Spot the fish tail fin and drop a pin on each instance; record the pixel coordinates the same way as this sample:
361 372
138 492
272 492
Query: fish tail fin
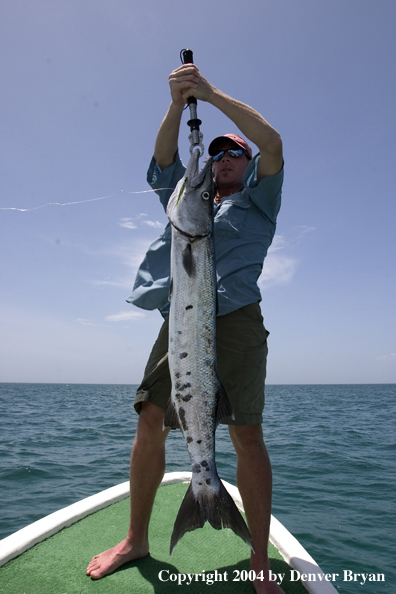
218 509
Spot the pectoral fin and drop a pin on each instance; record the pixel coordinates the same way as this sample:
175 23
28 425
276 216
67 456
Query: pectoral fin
187 259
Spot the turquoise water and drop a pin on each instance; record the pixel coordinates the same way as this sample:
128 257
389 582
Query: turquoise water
332 449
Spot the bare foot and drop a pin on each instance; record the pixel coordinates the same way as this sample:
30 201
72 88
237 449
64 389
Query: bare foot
110 560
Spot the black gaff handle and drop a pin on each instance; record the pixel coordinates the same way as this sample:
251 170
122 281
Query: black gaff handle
188 59
187 56
194 122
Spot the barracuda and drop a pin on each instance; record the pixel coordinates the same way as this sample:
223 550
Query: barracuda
198 401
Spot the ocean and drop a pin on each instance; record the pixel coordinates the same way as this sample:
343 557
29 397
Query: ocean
332 449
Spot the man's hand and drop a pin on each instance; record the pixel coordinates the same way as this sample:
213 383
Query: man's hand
187 81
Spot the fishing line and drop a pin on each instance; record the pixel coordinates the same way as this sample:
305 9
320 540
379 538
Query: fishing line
80 201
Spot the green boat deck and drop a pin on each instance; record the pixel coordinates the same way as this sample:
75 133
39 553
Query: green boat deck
57 565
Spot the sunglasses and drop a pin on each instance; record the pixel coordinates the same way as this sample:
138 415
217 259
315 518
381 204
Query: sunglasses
235 153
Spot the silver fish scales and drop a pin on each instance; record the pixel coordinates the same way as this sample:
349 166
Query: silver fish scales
198 401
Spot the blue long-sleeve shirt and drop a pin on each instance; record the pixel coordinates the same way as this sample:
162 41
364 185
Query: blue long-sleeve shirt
244 226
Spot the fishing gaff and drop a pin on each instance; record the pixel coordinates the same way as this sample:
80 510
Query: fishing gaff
196 136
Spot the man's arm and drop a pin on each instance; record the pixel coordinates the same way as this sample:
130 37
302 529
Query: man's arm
248 120
256 129
166 143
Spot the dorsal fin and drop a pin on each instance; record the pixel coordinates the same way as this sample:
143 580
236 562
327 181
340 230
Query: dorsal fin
171 418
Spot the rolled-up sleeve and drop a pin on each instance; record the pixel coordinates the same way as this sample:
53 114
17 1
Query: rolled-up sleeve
151 287
266 194
165 181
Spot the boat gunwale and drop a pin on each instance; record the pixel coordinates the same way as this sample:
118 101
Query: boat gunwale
288 546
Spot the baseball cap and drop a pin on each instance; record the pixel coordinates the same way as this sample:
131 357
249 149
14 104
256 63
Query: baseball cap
235 138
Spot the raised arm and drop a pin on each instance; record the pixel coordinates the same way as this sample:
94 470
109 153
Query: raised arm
256 129
166 143
190 82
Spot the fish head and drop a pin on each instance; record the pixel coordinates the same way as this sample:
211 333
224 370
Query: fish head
190 208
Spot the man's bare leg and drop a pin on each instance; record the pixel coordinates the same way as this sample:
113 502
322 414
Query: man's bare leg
254 480
147 471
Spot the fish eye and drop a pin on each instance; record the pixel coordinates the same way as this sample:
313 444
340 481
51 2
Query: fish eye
205 195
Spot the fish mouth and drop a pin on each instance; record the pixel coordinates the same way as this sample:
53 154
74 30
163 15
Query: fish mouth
192 170
200 178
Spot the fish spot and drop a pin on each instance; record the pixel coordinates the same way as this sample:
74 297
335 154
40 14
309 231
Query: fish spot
196 468
186 397
181 387
189 307
199 440
183 355
204 463
182 417
179 332
188 373
208 481
177 374
189 439
178 397
200 484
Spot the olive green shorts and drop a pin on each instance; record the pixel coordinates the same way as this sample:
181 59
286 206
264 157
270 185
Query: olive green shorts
241 358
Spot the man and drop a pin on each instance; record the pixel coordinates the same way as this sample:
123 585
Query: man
248 201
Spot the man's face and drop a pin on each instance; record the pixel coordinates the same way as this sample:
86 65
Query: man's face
228 172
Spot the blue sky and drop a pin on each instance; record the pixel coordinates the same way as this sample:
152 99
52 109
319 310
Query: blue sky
84 89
